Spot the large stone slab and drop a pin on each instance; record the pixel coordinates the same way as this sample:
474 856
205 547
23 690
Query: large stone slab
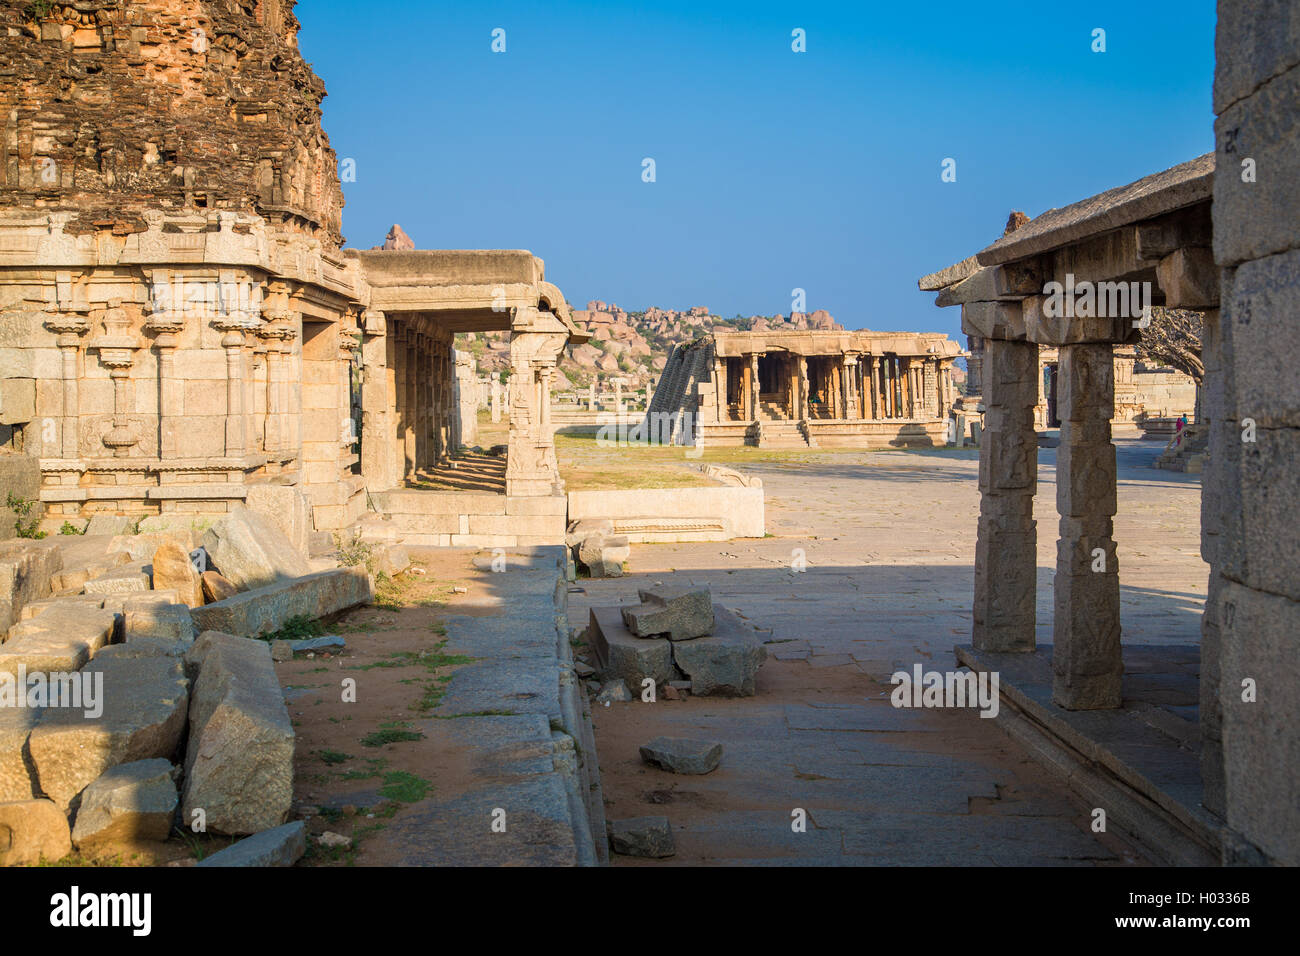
725 664
16 724
279 846
32 831
127 579
144 708
172 568
167 622
676 612
251 551
264 610
62 638
620 654
26 571
127 803
239 762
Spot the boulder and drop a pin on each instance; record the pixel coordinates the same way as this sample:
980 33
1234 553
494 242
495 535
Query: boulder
217 587
642 836
251 551
61 639
239 762
613 692
724 664
127 803
32 831
279 846
676 612
172 568
619 655
27 571
264 610
682 754
144 708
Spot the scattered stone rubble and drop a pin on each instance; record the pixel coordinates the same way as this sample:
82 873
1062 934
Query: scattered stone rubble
188 716
642 836
671 637
597 548
682 755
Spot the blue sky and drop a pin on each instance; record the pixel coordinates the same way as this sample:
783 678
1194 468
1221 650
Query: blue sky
775 170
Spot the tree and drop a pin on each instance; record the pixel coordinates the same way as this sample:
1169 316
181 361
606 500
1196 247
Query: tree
1173 339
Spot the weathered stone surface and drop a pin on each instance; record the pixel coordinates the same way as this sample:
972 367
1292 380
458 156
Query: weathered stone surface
143 547
579 531
16 725
251 551
239 762
264 610
279 846
603 555
36 608
287 508
26 571
642 836
170 622
32 831
682 754
621 655
172 568
144 707
678 613
217 587
326 642
391 559
60 639
106 524
122 580
613 692
129 802
281 651
725 664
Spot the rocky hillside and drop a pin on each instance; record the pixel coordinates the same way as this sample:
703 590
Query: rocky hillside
634 345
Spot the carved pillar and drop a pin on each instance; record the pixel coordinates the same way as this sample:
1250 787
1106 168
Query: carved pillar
537 339
165 326
117 353
754 388
1006 552
1086 660
70 328
849 373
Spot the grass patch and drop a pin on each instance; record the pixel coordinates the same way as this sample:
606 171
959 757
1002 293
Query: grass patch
333 756
404 787
391 733
297 628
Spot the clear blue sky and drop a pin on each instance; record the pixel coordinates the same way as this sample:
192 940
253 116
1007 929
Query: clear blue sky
774 169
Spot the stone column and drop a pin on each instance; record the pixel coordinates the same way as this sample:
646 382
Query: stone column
1086 660
801 388
754 388
117 353
165 326
377 431
496 399
1006 552
70 327
849 372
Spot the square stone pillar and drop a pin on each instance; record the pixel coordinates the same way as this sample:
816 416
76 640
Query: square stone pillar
1086 659
1006 552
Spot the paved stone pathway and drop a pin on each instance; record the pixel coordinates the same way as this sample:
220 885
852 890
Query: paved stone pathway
889 540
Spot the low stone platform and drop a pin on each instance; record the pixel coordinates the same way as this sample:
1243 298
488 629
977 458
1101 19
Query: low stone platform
1140 763
518 714
454 519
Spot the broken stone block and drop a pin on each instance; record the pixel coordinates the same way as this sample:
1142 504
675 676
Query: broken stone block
726 663
89 601
251 551
106 524
281 651
326 642
578 531
60 639
287 508
391 560
264 610
80 564
216 587
279 846
642 836
16 725
143 647
603 555
27 570
144 706
682 754
125 579
32 831
172 568
239 762
677 613
613 692
169 622
143 547
621 655
127 803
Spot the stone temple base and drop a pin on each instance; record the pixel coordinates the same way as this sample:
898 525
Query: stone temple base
448 519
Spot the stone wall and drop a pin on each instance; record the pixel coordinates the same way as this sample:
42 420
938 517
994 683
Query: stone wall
1252 398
